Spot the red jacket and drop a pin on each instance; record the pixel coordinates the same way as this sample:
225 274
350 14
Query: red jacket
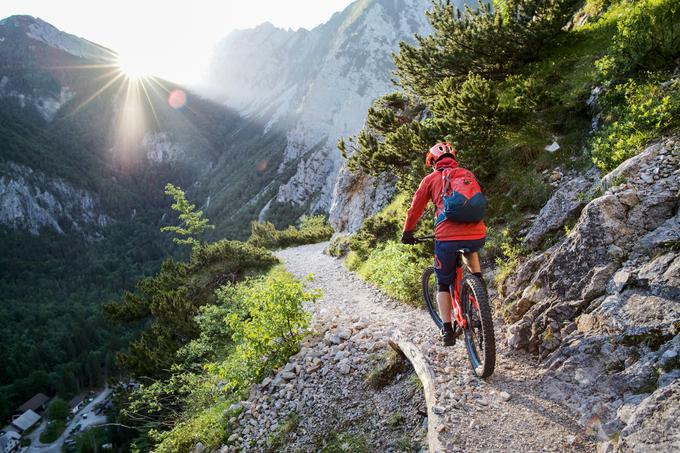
430 189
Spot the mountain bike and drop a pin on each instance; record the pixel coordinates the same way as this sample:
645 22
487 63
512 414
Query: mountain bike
471 313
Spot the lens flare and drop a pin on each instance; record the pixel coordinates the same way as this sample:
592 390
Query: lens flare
262 165
177 99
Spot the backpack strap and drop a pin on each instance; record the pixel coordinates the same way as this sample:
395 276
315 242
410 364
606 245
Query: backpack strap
446 179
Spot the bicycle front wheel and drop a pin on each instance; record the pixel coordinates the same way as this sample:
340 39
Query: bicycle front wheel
480 340
430 295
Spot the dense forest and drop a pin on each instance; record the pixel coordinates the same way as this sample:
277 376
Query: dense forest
54 283
55 339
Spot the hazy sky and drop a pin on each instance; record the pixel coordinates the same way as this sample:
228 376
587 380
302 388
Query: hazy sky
172 39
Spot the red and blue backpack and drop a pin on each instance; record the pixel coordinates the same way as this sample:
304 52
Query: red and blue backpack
463 200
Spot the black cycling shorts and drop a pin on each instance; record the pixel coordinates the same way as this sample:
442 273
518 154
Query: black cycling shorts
445 253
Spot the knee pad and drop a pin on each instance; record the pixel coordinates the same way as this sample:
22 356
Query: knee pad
443 288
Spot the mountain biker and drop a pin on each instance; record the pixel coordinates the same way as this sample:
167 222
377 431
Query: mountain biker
450 236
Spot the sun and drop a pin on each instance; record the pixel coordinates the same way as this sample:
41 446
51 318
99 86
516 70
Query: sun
134 67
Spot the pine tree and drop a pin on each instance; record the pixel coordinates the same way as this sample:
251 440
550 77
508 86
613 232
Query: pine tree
469 114
490 42
192 224
168 302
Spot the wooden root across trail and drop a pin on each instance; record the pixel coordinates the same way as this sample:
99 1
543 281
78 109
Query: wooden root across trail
426 375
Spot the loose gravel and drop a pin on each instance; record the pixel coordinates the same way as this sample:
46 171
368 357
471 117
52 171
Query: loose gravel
324 384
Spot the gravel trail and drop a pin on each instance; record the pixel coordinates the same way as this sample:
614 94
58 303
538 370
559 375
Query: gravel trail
510 411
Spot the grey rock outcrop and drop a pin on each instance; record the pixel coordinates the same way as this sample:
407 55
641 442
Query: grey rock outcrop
567 201
653 424
31 200
602 306
357 196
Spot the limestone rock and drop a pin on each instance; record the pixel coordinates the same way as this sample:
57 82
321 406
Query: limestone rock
654 423
317 86
562 206
31 200
600 307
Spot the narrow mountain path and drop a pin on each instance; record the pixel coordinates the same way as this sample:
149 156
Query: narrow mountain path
508 412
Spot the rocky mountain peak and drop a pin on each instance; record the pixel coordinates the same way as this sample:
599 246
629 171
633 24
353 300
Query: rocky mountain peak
23 21
37 29
317 85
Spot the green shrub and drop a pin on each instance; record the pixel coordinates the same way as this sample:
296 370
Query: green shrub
379 228
268 321
517 191
57 410
57 414
312 229
256 325
344 442
397 270
208 427
192 222
511 252
595 7
277 440
395 420
91 440
168 302
53 431
353 261
470 112
647 37
636 113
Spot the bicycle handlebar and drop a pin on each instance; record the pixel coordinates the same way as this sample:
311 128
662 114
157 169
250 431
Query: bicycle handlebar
424 238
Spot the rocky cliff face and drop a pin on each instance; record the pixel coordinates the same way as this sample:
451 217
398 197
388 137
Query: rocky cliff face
602 306
31 200
319 84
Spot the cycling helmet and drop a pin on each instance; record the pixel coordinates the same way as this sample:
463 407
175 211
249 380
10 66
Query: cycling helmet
438 151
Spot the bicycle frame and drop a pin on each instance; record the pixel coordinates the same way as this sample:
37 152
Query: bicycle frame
454 289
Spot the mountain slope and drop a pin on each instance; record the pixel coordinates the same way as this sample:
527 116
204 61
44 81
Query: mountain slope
70 114
316 86
84 155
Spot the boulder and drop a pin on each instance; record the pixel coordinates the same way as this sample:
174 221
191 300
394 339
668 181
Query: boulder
654 424
562 206
602 253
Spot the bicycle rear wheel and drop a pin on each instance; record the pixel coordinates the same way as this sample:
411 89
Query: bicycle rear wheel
480 340
430 295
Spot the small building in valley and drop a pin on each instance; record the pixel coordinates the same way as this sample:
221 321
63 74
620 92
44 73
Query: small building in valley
37 404
26 421
77 402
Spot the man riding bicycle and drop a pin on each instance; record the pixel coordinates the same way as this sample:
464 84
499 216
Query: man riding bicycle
450 236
